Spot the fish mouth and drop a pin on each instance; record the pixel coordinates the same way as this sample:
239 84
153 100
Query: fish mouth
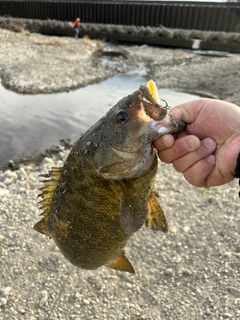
125 154
161 120
134 157
168 124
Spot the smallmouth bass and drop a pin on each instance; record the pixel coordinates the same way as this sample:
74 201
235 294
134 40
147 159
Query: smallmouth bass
104 192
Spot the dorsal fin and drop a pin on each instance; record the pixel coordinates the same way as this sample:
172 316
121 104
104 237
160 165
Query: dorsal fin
47 192
121 263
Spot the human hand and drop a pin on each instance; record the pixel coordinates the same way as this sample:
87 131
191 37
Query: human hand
207 149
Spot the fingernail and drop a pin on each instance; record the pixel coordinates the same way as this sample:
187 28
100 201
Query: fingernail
190 144
176 113
211 159
209 143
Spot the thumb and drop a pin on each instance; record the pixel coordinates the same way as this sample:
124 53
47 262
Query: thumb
189 111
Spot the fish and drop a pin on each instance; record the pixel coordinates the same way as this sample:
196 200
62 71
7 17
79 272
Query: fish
104 193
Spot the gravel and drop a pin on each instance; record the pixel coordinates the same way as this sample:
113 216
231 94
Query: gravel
33 63
192 272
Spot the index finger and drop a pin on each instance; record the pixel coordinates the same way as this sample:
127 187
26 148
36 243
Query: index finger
164 142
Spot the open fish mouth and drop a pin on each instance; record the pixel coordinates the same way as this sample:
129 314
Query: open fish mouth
169 124
161 120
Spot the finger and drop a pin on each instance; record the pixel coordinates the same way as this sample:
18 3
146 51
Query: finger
180 148
207 146
198 174
164 142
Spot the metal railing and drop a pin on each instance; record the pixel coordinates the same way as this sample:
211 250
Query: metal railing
181 15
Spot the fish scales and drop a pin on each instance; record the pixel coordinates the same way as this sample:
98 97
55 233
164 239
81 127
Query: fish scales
105 192
92 218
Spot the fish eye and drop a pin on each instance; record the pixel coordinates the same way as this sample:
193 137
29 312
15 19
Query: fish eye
121 116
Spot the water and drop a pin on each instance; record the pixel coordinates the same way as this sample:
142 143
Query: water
31 123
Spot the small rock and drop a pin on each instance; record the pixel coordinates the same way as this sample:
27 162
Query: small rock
1 184
47 160
227 254
16 271
77 295
173 229
23 174
7 181
207 312
4 192
234 292
43 298
5 292
3 302
85 301
22 311
227 315
169 272
12 165
186 229
10 174
186 272
61 155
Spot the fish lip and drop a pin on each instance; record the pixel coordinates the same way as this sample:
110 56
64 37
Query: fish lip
159 113
124 154
145 95
169 124
179 124
152 107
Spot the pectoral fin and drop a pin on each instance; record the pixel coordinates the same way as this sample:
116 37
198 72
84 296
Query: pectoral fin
133 211
121 263
156 219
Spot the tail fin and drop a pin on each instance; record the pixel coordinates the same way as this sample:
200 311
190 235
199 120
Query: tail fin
47 196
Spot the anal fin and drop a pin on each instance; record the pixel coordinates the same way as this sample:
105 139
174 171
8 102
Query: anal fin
121 263
156 219
42 227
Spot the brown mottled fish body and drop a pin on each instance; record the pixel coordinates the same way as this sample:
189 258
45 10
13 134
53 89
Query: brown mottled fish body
85 211
105 190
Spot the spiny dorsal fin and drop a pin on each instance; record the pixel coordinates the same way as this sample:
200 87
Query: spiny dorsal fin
121 263
47 192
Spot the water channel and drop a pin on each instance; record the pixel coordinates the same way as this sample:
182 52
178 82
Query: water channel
31 123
